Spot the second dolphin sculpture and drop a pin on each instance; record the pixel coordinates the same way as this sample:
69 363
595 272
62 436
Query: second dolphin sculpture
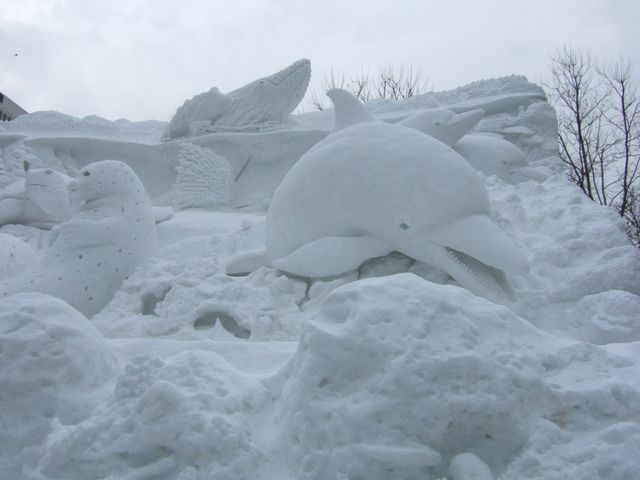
489 154
266 101
370 188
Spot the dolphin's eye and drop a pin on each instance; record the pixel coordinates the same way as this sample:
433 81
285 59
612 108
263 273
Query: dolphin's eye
86 174
48 172
404 226
437 124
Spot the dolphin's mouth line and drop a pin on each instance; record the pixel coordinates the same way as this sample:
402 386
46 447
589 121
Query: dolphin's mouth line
469 116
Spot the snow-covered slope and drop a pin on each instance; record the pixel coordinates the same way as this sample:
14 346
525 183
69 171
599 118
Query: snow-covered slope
275 378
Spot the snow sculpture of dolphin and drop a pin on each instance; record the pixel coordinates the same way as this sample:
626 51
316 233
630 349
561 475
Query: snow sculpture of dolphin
370 188
264 102
489 154
443 124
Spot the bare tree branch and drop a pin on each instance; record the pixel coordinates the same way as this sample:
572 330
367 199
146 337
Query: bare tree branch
599 130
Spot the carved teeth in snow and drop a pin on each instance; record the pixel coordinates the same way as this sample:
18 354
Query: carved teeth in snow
472 272
483 277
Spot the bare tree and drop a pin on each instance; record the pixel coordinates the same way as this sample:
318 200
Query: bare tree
599 130
624 119
390 83
580 100
632 216
397 84
360 86
330 81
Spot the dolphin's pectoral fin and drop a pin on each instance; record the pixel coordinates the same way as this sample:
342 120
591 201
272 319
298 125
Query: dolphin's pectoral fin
329 256
530 173
481 279
478 237
248 262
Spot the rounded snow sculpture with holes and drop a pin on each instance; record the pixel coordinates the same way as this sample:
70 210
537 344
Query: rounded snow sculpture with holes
93 252
371 188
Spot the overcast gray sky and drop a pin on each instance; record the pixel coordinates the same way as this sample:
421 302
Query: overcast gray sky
140 59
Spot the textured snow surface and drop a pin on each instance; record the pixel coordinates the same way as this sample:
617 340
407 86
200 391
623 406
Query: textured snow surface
15 255
54 367
390 371
204 179
405 363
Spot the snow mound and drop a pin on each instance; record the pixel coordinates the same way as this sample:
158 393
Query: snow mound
401 364
53 365
172 419
582 264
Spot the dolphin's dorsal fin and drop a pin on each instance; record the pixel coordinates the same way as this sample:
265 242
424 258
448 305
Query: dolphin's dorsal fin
347 109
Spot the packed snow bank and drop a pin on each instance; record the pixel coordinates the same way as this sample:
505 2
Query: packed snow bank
54 368
582 264
401 365
185 294
47 123
180 418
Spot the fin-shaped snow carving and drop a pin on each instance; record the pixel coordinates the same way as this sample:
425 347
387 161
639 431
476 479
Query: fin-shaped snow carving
351 110
372 187
265 102
204 178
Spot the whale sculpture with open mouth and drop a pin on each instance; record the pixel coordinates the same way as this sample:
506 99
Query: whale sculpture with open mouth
267 101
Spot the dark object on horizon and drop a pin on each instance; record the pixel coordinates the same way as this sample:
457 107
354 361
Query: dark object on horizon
15 54
9 110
